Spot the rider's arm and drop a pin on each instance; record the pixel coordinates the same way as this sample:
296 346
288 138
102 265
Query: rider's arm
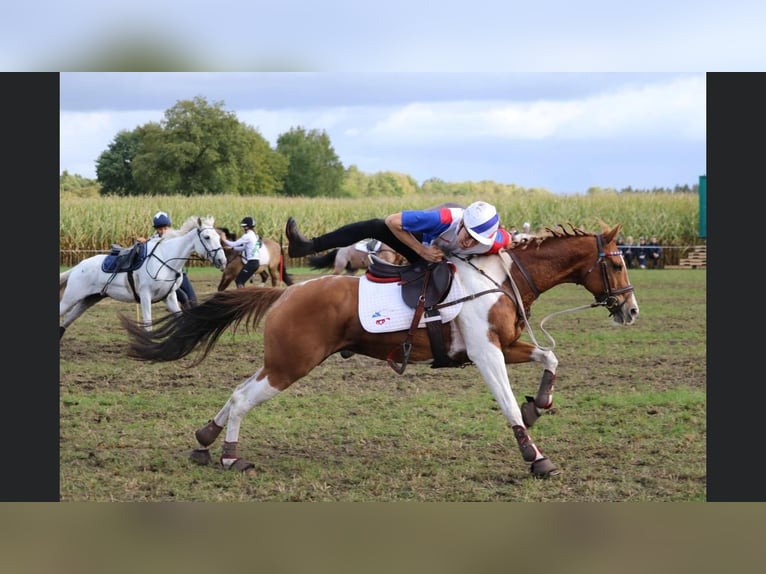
503 240
427 252
237 245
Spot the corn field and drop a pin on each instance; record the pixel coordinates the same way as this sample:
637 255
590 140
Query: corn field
91 225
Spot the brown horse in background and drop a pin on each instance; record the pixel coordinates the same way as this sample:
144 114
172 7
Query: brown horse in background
309 321
275 268
351 259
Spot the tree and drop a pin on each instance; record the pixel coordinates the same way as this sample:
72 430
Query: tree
195 152
261 170
114 166
313 167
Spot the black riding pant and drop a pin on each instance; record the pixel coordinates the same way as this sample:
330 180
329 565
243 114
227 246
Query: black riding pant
186 290
247 272
353 232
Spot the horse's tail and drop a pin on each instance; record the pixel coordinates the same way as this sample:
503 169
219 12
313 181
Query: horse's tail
325 261
175 336
63 278
286 278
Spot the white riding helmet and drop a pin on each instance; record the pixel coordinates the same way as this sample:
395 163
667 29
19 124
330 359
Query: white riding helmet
481 221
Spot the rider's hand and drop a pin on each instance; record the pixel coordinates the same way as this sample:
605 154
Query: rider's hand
432 253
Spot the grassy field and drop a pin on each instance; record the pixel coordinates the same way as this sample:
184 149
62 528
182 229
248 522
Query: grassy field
628 423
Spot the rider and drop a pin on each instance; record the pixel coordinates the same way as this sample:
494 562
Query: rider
418 235
250 246
185 293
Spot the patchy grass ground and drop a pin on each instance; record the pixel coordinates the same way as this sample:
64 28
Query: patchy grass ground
628 424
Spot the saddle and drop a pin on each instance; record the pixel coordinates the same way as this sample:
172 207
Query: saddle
124 260
423 285
121 259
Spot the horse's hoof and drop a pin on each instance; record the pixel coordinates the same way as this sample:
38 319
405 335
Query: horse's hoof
242 465
345 353
529 412
201 456
61 331
543 468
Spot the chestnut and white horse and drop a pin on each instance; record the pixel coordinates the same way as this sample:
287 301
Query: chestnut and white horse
156 279
309 321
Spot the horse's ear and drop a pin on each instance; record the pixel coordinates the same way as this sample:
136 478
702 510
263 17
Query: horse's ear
610 234
199 222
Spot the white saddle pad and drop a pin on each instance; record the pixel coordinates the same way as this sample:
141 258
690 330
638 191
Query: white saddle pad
381 308
263 255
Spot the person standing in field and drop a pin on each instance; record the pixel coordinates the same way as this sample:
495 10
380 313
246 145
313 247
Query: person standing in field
250 246
641 252
654 253
628 250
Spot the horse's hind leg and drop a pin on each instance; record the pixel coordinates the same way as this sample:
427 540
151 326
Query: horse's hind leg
245 397
71 312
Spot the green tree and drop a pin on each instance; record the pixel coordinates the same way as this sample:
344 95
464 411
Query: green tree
195 152
262 170
114 166
313 167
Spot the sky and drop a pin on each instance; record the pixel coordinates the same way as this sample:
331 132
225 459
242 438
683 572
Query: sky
564 132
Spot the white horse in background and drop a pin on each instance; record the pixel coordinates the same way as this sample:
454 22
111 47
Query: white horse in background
155 278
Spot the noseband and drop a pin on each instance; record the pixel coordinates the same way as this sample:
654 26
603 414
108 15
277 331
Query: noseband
608 298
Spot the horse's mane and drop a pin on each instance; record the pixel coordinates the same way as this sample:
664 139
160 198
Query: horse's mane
189 224
566 230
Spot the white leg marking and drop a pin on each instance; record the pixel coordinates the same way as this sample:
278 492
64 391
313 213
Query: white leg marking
249 394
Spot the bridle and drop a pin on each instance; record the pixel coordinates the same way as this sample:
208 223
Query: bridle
210 255
608 298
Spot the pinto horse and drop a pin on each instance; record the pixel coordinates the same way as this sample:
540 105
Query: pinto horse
309 321
154 277
354 257
271 257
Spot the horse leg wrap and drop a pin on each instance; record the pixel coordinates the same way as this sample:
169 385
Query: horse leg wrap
207 434
230 459
528 448
544 398
229 454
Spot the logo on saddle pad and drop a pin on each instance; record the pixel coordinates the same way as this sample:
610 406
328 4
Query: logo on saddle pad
382 308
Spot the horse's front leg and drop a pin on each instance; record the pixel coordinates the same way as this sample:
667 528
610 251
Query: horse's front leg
145 301
521 352
490 361
171 302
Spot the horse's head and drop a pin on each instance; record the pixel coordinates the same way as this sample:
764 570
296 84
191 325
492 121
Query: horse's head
607 279
208 242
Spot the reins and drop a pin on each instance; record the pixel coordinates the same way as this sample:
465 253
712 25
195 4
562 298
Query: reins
607 299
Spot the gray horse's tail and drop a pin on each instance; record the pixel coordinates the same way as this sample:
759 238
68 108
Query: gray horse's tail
63 278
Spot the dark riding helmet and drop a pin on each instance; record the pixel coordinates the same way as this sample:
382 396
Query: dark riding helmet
161 219
248 222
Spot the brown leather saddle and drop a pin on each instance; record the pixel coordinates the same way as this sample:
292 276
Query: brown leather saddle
424 285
